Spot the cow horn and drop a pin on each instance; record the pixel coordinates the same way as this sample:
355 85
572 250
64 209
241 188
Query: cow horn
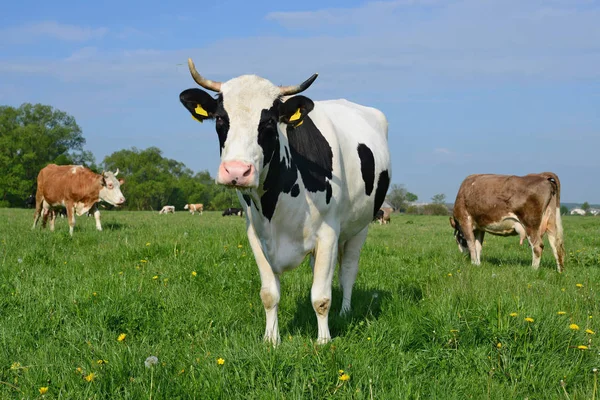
290 90
205 83
117 172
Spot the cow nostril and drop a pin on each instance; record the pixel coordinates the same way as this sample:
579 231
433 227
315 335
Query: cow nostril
248 171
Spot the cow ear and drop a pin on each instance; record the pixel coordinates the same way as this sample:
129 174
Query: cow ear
293 111
121 181
199 103
452 222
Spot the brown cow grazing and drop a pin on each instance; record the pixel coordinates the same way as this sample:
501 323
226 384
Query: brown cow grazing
384 215
506 205
76 188
194 207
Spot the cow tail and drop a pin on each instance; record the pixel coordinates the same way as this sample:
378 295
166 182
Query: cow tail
554 207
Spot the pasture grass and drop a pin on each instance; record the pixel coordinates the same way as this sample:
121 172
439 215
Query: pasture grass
425 323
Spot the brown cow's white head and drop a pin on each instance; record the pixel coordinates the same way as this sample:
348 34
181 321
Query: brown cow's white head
111 188
249 112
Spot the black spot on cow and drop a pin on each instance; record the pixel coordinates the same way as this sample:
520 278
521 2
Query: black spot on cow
295 190
367 167
281 178
383 184
328 193
312 154
247 199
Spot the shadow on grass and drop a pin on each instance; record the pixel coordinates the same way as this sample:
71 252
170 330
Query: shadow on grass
113 226
366 305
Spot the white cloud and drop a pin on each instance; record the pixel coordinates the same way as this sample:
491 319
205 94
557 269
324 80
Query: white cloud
52 30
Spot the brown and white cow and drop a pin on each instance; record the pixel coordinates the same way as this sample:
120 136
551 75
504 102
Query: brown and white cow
506 205
76 188
384 215
167 210
194 207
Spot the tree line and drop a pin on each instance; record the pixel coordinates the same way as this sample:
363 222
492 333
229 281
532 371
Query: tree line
35 135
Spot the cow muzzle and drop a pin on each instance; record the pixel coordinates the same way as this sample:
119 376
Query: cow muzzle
236 173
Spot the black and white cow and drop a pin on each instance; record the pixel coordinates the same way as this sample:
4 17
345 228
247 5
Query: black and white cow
233 211
310 176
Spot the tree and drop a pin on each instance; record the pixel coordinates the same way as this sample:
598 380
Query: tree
410 197
397 197
439 198
31 137
564 210
586 207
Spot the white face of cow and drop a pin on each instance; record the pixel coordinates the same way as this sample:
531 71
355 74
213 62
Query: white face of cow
111 189
249 113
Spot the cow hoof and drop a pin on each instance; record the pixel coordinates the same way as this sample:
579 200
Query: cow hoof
323 340
273 340
345 311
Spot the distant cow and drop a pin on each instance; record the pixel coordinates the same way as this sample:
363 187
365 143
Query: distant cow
30 201
233 211
528 206
167 209
194 207
77 189
383 215
310 177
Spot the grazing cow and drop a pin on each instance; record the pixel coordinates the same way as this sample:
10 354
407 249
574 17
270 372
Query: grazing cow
30 201
310 177
233 211
76 188
167 209
528 206
384 215
194 207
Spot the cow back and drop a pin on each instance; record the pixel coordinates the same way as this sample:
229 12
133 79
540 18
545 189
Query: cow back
57 183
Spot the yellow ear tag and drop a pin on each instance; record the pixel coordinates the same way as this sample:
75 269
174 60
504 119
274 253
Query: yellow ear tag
200 111
296 116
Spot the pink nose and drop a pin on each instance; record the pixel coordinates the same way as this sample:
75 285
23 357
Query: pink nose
236 173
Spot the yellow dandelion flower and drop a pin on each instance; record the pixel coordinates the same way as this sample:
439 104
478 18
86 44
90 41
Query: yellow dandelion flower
591 332
79 370
579 285
561 313
499 345
220 361
148 244
341 371
574 327
453 330
94 294
368 338
143 261
102 362
194 273
155 277
182 371
450 274
513 314
344 377
562 289
590 317
90 377
15 366
43 390
240 246
582 347
529 319
121 337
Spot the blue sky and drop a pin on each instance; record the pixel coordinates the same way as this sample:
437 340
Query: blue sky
471 86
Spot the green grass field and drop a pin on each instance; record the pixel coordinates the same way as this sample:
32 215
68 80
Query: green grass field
425 322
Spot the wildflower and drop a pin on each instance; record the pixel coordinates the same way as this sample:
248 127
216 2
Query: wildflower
220 361
562 289
90 377
143 261
341 371
579 285
344 377
574 327
79 370
194 273
369 338
155 277
148 244
561 313
43 390
182 371
102 362
590 317
20 260
591 332
499 345
582 347
453 330
529 319
121 337
513 314
150 361
94 294
450 274
14 366
240 246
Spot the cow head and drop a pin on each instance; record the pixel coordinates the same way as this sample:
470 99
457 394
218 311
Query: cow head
459 236
111 188
249 113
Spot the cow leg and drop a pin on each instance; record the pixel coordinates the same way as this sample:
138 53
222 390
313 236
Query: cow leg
97 218
46 212
537 245
52 220
350 253
325 259
470 238
478 244
555 237
71 217
269 291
